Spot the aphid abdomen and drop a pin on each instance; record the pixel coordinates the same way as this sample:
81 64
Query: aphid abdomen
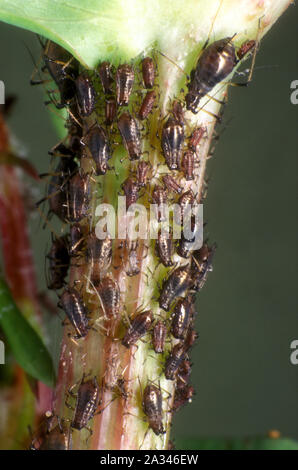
174 286
85 95
88 398
130 134
74 307
138 328
172 143
152 407
99 148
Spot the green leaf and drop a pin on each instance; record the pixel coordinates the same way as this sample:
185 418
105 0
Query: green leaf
96 30
27 347
257 443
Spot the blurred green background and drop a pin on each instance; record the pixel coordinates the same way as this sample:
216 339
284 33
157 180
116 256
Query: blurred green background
247 318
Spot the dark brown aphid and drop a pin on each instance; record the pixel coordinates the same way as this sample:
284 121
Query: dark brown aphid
177 111
88 398
138 328
99 256
147 105
186 201
148 72
110 110
85 95
130 134
54 438
181 318
175 358
188 164
76 239
171 184
183 373
124 82
175 285
109 293
216 62
98 144
201 265
79 197
131 191
152 407
182 396
58 188
165 247
58 262
245 48
142 173
72 304
63 68
159 333
196 138
159 197
172 140
190 338
133 267
104 71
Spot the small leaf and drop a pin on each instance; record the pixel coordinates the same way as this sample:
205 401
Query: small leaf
27 347
257 443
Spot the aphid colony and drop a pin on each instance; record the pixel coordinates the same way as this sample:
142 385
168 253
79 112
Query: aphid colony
107 107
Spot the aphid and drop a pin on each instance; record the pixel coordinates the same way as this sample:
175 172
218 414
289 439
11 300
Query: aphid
190 339
54 438
159 333
76 239
98 145
159 197
59 187
99 256
72 304
138 328
109 293
188 163
175 358
104 71
88 398
148 72
110 110
177 111
171 184
175 285
152 407
165 248
181 318
245 48
196 138
182 396
201 265
124 83
130 134
183 373
142 173
147 105
131 191
216 62
58 262
79 197
85 95
172 140
63 68
186 201
133 260
186 245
